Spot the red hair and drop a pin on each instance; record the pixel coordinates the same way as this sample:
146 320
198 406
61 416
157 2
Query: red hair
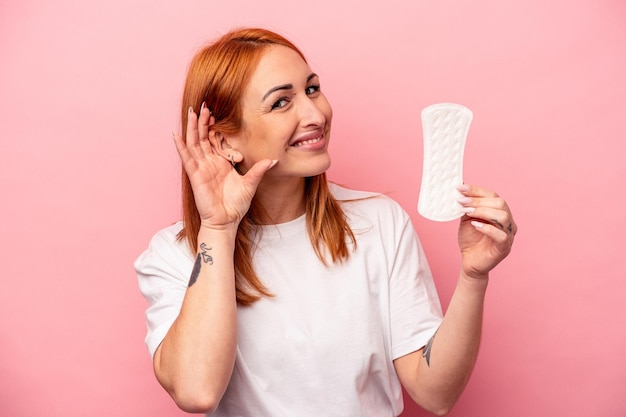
218 76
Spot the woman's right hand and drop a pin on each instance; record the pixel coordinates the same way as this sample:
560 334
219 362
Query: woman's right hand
222 195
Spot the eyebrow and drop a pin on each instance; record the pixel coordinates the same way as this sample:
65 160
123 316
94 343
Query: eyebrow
286 86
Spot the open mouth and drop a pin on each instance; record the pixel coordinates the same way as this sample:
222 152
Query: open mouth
311 139
307 142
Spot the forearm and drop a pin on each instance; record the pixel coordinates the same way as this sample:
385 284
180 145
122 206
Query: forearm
454 349
486 233
436 377
195 360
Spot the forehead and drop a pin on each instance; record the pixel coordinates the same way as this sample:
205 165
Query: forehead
278 65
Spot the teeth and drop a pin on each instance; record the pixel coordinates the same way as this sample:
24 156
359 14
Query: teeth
307 142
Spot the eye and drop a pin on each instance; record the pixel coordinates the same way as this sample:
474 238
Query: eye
312 89
280 103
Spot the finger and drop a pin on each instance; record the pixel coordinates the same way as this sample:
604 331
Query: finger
490 208
492 202
500 218
180 144
204 123
192 137
475 191
255 174
494 232
181 147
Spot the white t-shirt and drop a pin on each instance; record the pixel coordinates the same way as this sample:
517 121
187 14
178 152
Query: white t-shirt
324 345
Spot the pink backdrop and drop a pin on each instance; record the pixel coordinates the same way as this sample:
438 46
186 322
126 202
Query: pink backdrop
89 95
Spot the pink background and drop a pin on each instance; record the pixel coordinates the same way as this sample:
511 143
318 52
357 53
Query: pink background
89 95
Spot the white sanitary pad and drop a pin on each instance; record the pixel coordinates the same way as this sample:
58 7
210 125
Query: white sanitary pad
445 128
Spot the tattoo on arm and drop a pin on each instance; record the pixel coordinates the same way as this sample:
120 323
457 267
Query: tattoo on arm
427 349
206 258
195 272
202 257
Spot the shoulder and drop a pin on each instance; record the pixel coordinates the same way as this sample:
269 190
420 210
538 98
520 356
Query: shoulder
168 237
368 204
164 246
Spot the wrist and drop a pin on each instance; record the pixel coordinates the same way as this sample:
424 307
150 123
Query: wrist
222 234
476 281
219 228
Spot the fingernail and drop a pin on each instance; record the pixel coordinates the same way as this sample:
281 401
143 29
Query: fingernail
202 106
468 210
463 188
477 225
190 111
464 200
274 162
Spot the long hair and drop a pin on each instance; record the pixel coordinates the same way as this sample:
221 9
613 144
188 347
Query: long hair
218 76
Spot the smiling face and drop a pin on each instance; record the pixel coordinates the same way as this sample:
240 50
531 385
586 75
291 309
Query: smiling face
285 117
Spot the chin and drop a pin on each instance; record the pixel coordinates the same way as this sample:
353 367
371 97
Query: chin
319 168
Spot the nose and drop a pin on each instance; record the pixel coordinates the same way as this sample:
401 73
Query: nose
311 112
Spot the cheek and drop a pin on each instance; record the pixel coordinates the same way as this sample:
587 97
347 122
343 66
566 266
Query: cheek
326 109
268 140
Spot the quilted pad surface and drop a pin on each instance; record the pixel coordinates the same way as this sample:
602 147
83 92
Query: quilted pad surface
445 127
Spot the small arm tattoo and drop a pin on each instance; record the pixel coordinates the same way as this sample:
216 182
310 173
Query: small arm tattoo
202 257
427 350
206 258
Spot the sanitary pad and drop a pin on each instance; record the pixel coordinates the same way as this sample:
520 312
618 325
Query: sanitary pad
445 128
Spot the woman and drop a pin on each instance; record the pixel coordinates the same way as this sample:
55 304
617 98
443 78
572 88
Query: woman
280 294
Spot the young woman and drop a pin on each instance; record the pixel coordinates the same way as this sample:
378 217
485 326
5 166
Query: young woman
281 294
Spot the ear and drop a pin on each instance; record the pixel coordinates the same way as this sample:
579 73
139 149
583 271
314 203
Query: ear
226 146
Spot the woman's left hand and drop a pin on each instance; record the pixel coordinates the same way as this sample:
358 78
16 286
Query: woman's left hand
486 231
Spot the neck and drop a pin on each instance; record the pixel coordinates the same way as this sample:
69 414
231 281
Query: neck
280 200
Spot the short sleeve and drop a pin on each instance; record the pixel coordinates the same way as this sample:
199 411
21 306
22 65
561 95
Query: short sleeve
415 308
163 271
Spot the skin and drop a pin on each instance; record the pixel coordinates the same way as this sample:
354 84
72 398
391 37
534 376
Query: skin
283 106
436 380
196 358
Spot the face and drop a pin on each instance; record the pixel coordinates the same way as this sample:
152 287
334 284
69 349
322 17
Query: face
285 117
